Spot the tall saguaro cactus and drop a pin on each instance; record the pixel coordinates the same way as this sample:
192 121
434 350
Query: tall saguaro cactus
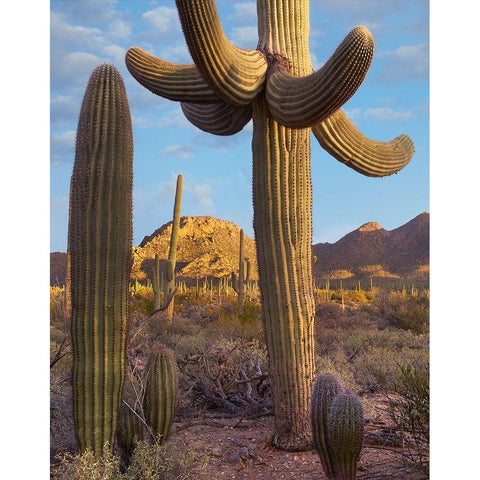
276 87
100 247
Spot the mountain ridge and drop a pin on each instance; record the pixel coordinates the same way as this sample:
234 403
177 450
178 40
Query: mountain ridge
209 246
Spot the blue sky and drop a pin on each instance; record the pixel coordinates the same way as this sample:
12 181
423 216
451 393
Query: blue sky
393 99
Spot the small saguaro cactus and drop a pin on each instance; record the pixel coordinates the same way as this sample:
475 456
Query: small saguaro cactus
275 85
156 284
240 283
100 247
345 434
337 426
130 429
160 393
172 252
325 389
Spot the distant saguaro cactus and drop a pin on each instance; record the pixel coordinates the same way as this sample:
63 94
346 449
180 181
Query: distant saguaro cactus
160 393
170 288
100 247
276 87
240 283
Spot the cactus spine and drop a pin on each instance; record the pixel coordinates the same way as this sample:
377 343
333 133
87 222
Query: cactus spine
275 86
100 247
240 283
172 252
160 393
337 426
345 434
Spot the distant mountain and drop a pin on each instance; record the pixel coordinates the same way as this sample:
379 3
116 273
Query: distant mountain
208 246
402 251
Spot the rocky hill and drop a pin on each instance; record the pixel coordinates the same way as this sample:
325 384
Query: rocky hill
58 268
208 246
403 251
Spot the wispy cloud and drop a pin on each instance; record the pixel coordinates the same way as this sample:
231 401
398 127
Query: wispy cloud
62 146
202 196
179 151
245 37
408 62
163 20
244 12
387 113
63 110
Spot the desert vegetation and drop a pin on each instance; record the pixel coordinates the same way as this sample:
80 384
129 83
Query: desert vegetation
224 385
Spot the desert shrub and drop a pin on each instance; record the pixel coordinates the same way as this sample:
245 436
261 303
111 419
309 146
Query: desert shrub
409 410
148 462
151 461
85 466
341 370
378 368
405 312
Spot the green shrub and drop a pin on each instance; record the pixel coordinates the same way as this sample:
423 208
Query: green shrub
409 410
148 462
406 313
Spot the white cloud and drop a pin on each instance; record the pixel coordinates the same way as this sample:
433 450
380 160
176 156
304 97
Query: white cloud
171 118
63 110
245 37
176 53
408 62
163 20
244 12
202 195
354 113
387 113
179 151
62 146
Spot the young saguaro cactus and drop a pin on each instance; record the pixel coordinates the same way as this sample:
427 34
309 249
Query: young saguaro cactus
345 434
240 283
160 393
100 247
172 252
325 389
275 85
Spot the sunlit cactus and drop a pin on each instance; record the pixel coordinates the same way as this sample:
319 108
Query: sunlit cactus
337 427
156 283
275 85
239 284
100 249
172 253
160 393
345 434
325 389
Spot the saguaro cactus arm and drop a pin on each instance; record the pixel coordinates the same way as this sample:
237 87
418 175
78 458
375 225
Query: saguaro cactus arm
218 118
181 83
339 137
236 75
300 102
